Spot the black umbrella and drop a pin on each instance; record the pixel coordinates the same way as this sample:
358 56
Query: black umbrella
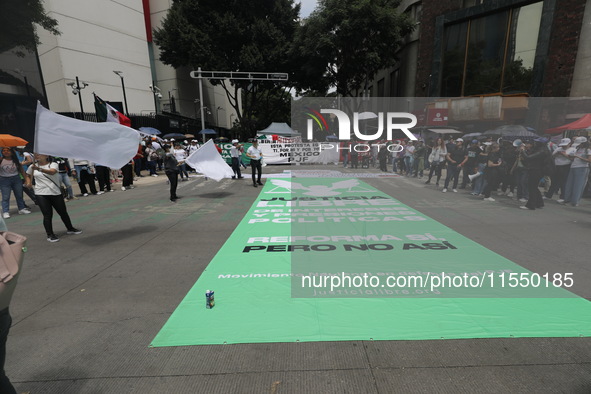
174 135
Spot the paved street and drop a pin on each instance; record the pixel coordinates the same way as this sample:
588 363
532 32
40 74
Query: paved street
87 308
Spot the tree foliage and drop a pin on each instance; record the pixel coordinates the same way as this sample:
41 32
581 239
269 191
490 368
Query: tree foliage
17 30
344 43
233 35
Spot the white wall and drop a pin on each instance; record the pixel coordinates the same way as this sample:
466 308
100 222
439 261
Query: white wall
97 38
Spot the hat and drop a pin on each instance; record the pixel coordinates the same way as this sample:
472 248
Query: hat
474 141
234 141
564 142
193 140
459 140
578 141
517 143
172 139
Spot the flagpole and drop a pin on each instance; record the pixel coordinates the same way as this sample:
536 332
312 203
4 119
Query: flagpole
201 100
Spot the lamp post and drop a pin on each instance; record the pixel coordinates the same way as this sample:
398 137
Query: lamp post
217 116
171 102
157 95
120 73
77 90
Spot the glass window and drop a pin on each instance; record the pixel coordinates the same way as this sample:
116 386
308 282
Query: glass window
453 60
521 49
486 51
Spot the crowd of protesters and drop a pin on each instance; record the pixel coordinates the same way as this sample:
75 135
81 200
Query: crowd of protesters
512 168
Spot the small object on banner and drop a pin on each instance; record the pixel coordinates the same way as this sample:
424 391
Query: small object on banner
209 299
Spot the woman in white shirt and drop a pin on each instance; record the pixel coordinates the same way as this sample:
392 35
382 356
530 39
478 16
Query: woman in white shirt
11 172
49 195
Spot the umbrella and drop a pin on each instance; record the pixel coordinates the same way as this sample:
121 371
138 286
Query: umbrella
207 131
150 130
174 135
471 135
189 136
509 130
9 141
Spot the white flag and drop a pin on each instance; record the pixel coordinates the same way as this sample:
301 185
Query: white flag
108 144
208 161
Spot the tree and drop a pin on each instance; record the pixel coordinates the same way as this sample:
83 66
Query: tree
233 35
344 43
17 21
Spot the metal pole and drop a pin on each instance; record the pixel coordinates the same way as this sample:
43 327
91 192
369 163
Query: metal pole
154 94
80 97
124 96
201 100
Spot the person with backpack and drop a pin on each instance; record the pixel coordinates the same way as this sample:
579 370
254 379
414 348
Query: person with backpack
579 172
534 155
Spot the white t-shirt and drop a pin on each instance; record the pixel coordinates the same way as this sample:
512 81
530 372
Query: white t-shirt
180 154
578 163
8 168
45 184
254 152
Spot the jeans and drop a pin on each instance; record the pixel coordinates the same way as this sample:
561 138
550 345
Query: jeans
65 180
183 170
47 203
5 322
522 189
152 166
575 184
453 172
14 184
480 182
408 162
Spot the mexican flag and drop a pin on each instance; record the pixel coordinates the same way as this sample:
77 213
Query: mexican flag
106 113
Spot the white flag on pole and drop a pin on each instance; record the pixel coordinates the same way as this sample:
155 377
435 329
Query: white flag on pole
109 144
208 161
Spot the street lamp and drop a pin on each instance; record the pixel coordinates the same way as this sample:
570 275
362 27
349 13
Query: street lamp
120 73
77 90
157 95
217 119
170 101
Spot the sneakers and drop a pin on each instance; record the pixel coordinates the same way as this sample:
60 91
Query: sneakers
561 201
73 231
522 200
99 193
454 190
85 195
53 238
444 190
154 174
523 207
24 211
5 215
510 194
123 188
489 199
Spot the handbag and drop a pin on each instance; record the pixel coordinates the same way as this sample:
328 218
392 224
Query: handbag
12 255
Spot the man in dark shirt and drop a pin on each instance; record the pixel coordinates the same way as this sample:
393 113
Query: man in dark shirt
456 158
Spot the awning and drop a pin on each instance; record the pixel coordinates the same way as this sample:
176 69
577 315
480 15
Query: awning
578 124
446 131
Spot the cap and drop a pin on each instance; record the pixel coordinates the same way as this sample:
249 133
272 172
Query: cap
517 143
172 139
578 141
487 143
459 140
564 142
234 141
